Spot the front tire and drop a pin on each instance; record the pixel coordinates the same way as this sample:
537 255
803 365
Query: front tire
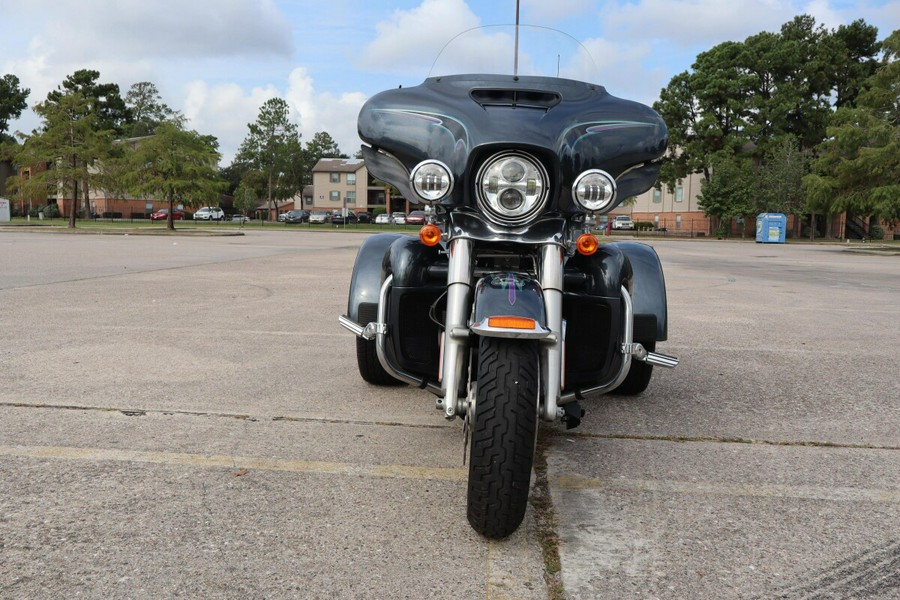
504 429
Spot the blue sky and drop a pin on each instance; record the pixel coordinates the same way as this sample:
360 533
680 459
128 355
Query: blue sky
217 61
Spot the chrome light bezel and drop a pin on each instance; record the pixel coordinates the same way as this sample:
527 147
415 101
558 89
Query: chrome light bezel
533 201
420 185
594 200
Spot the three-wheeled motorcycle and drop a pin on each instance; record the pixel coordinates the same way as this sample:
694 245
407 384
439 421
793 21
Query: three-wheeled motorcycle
506 306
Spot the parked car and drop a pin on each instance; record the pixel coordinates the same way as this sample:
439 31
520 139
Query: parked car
383 219
339 219
416 217
623 222
239 218
364 216
295 216
398 218
163 214
209 213
319 216
282 217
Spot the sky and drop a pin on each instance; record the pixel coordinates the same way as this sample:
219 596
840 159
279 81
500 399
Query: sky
218 61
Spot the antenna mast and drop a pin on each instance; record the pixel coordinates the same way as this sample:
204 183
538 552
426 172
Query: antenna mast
516 56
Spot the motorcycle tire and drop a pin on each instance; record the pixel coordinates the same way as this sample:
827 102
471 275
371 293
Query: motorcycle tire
504 432
370 368
639 375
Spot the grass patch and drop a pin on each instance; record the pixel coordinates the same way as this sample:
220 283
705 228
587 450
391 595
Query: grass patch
547 522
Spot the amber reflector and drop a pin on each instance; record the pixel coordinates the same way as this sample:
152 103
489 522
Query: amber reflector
586 244
511 322
430 235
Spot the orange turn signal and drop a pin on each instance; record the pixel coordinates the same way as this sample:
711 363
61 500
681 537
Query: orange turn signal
512 322
586 244
430 235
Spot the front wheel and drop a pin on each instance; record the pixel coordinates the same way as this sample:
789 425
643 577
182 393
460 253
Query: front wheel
504 429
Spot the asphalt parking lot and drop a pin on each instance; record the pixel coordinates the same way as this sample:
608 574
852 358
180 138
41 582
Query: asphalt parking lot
181 416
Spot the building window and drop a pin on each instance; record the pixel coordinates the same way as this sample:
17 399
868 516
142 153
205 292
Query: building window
679 194
655 221
334 196
657 196
678 221
351 178
335 177
350 197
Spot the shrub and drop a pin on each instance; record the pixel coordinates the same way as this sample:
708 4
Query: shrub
876 232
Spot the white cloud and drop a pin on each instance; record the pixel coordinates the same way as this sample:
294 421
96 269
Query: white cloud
542 11
411 39
226 109
694 22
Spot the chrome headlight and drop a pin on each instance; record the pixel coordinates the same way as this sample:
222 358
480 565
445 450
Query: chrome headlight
431 180
594 190
512 188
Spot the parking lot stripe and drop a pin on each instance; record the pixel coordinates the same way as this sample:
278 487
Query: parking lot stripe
235 462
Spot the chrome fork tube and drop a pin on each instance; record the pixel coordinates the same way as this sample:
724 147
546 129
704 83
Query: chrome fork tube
459 293
551 279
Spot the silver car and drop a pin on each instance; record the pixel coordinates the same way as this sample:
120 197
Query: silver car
319 216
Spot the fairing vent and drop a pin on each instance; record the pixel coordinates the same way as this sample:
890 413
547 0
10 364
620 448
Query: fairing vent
490 97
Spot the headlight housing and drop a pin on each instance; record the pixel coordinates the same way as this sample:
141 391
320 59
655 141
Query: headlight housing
512 188
594 190
431 180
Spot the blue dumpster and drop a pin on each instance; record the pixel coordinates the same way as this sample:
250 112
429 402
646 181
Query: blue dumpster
771 228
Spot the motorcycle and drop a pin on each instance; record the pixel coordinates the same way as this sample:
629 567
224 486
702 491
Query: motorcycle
506 307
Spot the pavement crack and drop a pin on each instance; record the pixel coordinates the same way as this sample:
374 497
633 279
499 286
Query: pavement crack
720 440
220 415
546 520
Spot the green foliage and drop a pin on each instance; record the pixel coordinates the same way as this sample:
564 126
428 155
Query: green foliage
103 99
12 101
244 198
858 166
748 97
780 179
177 165
731 192
272 149
146 109
70 141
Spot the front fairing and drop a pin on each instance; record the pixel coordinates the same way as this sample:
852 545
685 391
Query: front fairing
569 125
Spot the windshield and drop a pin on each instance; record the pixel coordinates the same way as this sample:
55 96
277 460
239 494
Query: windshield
491 49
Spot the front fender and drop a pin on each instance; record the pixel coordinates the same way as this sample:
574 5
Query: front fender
509 305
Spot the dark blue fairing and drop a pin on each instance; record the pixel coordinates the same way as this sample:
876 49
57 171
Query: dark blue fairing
570 125
368 273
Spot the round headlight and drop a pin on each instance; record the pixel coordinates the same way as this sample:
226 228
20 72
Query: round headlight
431 179
512 188
594 190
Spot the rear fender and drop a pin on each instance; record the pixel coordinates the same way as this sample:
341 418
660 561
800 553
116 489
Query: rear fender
368 273
648 292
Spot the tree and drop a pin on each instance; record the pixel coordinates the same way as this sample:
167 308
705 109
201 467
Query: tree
750 96
244 198
146 108
272 147
731 192
12 102
858 165
176 164
322 145
70 141
103 99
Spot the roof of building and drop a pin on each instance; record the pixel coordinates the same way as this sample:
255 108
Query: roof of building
339 165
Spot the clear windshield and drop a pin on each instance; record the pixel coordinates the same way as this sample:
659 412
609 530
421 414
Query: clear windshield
492 50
